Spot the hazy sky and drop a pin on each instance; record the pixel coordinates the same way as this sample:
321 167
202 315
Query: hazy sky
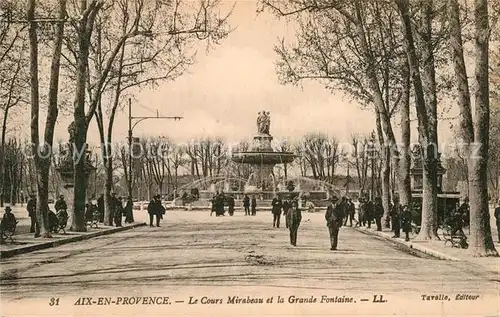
222 93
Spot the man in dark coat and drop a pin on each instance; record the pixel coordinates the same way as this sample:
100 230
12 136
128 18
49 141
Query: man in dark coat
396 217
246 205
31 207
254 205
369 213
361 212
464 210
129 209
155 210
117 211
378 212
276 211
406 222
230 205
9 221
214 202
220 205
497 216
100 207
293 219
334 216
61 204
350 211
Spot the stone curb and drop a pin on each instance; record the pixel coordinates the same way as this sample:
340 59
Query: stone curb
58 242
410 245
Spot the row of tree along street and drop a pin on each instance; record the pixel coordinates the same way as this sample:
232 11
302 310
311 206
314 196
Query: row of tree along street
390 55
393 56
102 51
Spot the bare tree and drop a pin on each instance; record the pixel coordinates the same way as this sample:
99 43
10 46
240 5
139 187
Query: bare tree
179 20
475 134
362 57
13 80
361 160
42 150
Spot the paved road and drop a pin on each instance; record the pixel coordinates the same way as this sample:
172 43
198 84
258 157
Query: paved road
193 253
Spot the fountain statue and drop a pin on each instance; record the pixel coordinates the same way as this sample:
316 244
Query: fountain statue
263 122
262 158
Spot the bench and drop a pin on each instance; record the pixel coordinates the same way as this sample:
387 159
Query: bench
7 233
456 240
92 221
61 221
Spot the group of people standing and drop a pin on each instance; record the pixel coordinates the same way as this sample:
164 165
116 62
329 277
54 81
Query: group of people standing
117 210
93 211
57 219
218 201
250 203
156 209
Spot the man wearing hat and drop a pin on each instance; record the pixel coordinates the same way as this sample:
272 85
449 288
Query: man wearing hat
334 216
395 214
61 204
31 207
497 216
293 219
9 220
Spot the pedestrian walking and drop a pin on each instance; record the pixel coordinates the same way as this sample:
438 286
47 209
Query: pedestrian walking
293 218
396 217
253 205
406 222
276 211
246 205
378 212
334 216
497 216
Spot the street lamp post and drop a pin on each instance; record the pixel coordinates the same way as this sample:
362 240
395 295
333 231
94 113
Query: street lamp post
130 138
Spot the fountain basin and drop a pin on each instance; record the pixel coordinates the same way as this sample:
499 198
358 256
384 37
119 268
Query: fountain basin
267 157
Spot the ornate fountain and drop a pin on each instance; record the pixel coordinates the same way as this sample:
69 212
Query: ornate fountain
262 158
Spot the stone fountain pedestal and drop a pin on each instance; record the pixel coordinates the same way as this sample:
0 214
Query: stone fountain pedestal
66 173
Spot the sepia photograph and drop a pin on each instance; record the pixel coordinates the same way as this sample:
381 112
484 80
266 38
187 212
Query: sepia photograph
249 157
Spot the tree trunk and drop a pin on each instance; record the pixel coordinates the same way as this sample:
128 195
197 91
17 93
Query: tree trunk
404 182
108 220
386 170
2 156
481 242
42 199
429 86
429 195
80 132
